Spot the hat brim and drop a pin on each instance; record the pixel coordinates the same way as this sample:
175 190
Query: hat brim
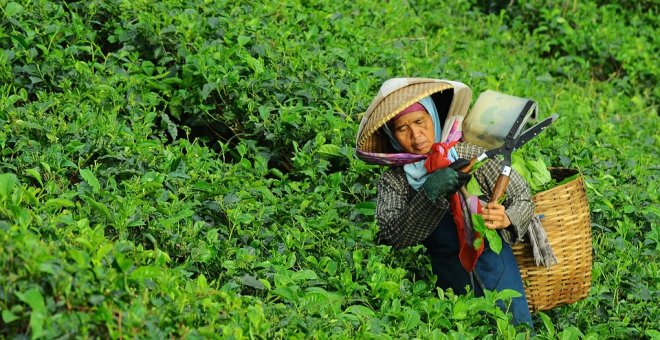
370 139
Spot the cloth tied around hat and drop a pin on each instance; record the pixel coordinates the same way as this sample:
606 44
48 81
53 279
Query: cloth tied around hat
415 107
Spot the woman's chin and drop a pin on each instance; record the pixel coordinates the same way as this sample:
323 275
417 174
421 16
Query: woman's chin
421 152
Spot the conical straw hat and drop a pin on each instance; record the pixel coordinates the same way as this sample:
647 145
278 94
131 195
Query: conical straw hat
394 96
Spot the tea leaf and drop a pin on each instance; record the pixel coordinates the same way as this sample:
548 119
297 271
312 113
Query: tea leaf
35 300
8 316
12 9
548 324
91 179
330 150
242 40
411 319
99 207
478 241
508 294
478 223
361 311
473 187
59 203
287 293
460 311
304 275
36 175
251 281
366 208
7 183
494 240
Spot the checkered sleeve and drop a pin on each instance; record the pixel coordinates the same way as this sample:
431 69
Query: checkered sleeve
405 217
518 203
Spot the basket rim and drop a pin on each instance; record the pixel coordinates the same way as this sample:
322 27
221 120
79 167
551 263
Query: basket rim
558 187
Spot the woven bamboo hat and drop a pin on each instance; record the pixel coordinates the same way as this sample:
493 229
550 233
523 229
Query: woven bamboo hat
393 97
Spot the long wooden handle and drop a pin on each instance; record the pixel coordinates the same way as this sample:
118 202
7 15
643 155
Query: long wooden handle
468 167
474 161
500 187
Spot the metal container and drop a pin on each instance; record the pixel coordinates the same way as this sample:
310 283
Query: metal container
492 116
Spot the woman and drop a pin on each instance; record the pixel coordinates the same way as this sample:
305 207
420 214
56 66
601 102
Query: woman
413 205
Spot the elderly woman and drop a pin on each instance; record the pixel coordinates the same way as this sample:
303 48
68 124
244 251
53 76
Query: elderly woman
413 205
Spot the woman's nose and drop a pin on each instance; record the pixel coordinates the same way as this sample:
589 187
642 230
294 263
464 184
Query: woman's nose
417 132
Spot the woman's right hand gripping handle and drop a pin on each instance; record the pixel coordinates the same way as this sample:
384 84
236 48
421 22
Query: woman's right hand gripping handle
447 180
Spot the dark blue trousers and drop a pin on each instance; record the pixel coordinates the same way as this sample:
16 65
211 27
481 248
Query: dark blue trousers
493 271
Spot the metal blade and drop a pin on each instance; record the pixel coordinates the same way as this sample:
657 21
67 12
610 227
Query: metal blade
534 131
506 159
520 121
492 152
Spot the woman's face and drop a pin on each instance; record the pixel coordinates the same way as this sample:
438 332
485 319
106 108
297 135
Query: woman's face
414 132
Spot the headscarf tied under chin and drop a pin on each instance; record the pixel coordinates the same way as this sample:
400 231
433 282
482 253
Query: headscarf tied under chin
416 172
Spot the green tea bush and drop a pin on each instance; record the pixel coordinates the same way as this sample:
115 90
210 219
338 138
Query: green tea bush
186 168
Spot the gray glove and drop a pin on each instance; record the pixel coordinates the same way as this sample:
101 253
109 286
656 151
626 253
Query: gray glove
446 180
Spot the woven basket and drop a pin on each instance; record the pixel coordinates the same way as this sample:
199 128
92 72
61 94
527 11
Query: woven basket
566 221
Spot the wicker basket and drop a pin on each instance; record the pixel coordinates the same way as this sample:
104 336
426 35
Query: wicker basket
566 221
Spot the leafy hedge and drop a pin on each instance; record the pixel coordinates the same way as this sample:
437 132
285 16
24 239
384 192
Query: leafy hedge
186 169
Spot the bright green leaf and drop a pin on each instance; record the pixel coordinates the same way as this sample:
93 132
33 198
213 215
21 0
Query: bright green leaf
305 274
330 150
478 223
361 311
411 319
13 9
460 310
653 334
59 203
508 294
548 324
7 183
286 292
91 179
494 240
34 299
473 187
8 316
35 174
242 40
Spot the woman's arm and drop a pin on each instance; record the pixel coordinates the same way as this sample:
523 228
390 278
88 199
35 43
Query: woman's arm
405 217
518 201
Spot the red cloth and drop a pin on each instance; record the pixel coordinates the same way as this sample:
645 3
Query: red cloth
438 158
467 254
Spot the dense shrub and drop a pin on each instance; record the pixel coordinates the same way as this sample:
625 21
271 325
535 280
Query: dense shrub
186 168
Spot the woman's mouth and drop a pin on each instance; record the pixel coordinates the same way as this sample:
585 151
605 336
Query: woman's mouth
420 146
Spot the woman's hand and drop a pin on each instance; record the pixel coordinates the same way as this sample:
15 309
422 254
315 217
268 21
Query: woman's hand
493 214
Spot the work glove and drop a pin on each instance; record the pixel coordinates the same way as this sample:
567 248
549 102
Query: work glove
463 177
448 180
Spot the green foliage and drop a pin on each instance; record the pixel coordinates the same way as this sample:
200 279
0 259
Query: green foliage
494 239
185 168
534 171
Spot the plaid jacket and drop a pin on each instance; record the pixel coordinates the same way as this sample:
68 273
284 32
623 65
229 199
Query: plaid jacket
407 217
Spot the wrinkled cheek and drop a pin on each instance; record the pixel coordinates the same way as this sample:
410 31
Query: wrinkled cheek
405 143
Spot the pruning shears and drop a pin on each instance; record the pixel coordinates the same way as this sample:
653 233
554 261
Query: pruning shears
513 141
